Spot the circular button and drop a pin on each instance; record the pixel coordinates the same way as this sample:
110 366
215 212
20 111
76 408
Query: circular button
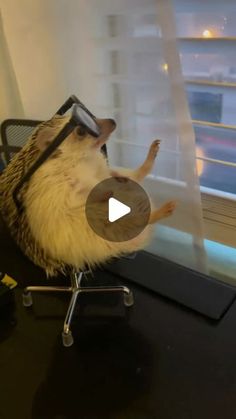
118 209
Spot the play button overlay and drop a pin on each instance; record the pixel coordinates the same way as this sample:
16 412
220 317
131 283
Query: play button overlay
118 209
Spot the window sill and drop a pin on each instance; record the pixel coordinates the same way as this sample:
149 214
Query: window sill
219 209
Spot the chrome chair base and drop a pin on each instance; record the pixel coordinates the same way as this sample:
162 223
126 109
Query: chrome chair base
75 289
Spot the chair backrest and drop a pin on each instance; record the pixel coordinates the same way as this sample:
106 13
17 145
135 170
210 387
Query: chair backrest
14 135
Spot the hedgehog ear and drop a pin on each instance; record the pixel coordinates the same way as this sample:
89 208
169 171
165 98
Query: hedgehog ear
47 132
44 138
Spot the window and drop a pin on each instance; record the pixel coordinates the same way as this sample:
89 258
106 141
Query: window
205 106
207 41
132 75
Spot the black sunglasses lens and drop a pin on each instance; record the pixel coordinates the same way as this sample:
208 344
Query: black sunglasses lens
86 120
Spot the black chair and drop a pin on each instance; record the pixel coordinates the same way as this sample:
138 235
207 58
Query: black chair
14 134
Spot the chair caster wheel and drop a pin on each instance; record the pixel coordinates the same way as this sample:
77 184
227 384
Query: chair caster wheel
129 299
27 299
67 339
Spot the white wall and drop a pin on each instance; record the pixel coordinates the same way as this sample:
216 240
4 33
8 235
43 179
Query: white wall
45 40
10 103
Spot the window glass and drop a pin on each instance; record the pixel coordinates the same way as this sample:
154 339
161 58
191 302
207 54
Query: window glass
206 24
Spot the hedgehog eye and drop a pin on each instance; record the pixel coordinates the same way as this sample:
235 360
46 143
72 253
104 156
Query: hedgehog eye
81 131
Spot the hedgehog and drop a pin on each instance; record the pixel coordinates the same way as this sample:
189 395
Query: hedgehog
52 230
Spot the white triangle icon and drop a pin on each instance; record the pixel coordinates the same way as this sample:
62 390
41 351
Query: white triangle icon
117 209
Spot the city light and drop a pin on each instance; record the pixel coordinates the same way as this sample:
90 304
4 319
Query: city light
199 162
164 67
207 33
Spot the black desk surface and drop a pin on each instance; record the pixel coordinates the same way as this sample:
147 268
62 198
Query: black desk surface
160 362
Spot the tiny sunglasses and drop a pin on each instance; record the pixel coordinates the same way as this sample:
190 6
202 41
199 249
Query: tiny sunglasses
80 115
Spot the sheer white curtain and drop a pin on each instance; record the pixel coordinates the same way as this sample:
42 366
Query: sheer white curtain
138 80
121 58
